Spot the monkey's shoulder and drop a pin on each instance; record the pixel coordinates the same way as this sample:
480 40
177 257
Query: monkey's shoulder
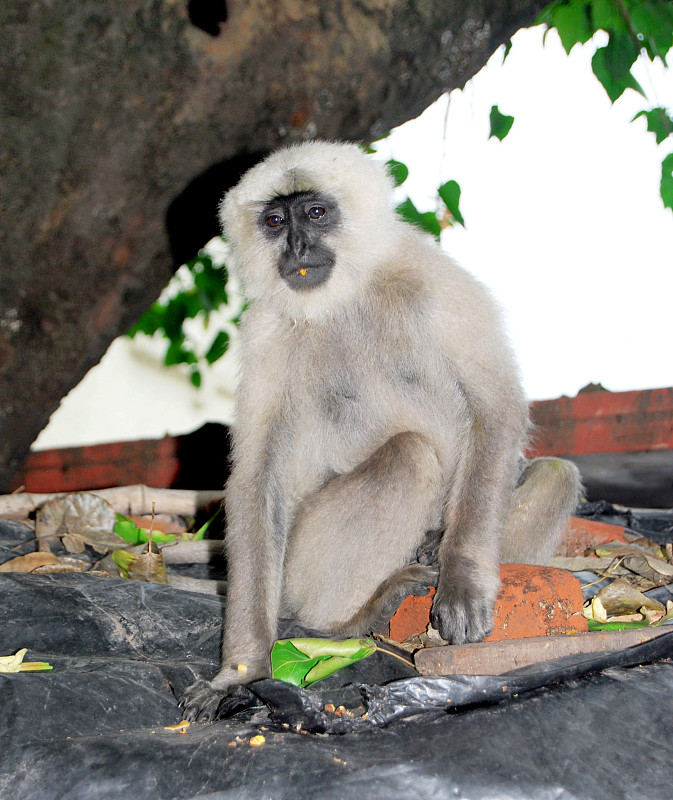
422 280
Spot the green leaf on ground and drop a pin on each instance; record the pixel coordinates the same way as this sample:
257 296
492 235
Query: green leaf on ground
302 662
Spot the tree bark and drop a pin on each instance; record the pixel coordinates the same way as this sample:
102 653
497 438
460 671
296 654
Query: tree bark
123 123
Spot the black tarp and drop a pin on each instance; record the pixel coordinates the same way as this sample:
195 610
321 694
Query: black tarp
594 727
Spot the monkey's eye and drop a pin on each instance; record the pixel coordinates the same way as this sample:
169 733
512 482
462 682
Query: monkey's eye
315 212
274 220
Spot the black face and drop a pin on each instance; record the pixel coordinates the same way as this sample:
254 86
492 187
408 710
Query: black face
298 223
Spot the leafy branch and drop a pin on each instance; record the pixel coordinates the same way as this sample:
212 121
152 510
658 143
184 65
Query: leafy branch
198 289
635 28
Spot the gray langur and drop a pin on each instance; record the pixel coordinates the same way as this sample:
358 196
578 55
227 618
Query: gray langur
379 400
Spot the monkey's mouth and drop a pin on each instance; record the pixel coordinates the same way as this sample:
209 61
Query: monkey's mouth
301 275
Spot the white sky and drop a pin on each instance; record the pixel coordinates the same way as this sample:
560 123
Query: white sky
564 218
564 223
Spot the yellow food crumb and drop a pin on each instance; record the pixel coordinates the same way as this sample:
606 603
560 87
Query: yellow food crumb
257 741
181 727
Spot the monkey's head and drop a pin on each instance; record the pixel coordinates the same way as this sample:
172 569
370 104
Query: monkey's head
309 225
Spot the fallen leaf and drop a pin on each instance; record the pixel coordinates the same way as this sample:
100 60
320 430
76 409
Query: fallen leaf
16 663
302 662
12 663
65 564
29 562
78 519
620 598
582 563
147 565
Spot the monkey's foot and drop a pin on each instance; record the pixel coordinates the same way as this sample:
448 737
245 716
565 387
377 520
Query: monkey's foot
462 610
201 702
428 550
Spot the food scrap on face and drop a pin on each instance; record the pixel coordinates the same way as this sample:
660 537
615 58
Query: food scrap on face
302 272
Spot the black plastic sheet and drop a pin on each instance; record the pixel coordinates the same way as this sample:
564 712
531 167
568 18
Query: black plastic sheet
594 727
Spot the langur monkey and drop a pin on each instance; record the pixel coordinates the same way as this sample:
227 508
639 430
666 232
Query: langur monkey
379 400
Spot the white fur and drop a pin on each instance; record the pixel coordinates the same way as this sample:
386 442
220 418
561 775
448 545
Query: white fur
362 189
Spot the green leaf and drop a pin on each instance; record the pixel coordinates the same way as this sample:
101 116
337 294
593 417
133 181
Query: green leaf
150 322
127 530
606 15
200 534
658 123
195 378
667 181
426 221
218 348
304 661
501 124
124 560
210 285
398 171
653 21
615 626
178 354
572 22
450 194
612 66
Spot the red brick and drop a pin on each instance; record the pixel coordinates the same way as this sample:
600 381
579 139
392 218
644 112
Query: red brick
154 462
537 601
533 601
412 616
603 422
583 533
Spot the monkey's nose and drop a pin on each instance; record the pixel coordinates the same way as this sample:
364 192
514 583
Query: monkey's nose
297 244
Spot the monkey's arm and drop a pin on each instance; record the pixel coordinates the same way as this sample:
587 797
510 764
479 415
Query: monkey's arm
257 518
469 552
482 452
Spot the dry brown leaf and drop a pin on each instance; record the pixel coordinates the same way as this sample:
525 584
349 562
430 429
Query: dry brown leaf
78 519
582 563
620 549
620 598
146 565
29 562
65 564
652 571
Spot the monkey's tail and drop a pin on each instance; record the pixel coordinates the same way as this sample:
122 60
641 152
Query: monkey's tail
548 492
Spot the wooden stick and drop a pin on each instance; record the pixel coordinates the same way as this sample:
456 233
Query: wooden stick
134 500
494 658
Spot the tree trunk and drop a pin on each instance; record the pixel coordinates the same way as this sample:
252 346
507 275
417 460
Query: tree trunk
123 123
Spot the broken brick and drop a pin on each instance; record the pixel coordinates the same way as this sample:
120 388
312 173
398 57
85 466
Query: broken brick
581 534
533 601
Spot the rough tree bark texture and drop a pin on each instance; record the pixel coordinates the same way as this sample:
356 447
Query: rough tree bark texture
122 123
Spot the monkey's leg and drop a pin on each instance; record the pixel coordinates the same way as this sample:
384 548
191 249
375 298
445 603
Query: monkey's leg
548 492
360 529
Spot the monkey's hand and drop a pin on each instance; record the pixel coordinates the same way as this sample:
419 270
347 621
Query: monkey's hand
462 610
203 702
